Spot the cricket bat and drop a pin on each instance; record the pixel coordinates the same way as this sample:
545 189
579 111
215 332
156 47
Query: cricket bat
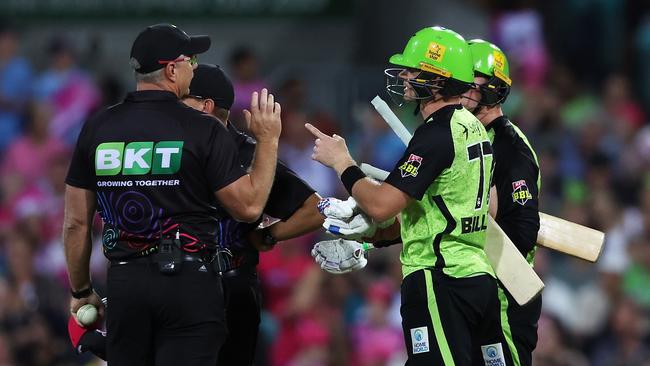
511 268
570 238
554 233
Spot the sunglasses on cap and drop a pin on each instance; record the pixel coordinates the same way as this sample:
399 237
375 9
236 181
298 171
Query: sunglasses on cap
193 60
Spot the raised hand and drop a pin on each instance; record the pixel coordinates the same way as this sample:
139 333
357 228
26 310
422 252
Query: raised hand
330 151
263 118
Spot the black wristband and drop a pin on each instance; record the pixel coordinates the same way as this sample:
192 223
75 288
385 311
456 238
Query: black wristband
350 176
268 238
82 293
387 243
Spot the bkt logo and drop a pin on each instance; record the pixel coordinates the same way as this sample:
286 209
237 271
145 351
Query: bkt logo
137 158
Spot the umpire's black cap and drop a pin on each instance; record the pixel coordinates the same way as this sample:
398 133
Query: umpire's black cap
164 42
211 82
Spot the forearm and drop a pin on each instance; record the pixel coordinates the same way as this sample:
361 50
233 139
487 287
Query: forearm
77 227
377 200
306 219
262 174
77 245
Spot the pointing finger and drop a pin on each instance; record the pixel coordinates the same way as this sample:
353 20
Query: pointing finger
315 131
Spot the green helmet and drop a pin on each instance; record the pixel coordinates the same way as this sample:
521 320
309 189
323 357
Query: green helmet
438 51
489 61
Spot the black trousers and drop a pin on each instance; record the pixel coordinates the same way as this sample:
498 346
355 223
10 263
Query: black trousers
450 320
158 319
522 321
243 318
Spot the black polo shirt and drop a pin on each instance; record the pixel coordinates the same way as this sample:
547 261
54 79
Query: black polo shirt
154 165
288 194
516 178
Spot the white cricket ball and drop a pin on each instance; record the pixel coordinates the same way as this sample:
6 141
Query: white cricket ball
87 315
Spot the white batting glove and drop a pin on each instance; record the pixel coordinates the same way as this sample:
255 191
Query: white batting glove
359 226
335 208
340 256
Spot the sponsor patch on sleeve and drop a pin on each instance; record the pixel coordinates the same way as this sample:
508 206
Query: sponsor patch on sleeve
493 355
420 340
410 167
520 192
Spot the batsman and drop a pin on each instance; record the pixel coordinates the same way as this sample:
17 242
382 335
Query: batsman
516 184
451 314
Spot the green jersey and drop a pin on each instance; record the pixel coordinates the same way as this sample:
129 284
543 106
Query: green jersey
517 182
446 169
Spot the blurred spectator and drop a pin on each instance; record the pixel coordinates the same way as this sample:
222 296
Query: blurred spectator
377 342
244 66
636 278
626 343
296 144
15 85
520 35
34 314
68 89
28 155
553 347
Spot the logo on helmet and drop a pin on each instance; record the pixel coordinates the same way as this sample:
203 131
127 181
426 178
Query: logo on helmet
499 60
435 52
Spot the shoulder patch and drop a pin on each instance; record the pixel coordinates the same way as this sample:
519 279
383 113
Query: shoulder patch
410 167
520 192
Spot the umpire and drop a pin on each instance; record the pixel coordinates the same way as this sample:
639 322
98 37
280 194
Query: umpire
292 204
156 171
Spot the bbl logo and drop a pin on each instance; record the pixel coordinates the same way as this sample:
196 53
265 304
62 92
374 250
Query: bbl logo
411 166
137 158
520 193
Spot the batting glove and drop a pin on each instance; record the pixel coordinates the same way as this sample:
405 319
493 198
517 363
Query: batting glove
335 208
359 226
340 256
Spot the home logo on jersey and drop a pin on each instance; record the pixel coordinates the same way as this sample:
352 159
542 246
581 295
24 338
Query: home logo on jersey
410 167
138 158
520 192
493 355
420 340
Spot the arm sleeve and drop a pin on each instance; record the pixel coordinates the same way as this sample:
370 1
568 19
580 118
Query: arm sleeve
80 172
518 210
288 193
222 165
430 151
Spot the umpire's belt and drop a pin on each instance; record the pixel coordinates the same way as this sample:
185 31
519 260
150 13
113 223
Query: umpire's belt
149 259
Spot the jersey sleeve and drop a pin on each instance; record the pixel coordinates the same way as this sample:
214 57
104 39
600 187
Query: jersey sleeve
80 172
222 164
518 199
288 193
430 151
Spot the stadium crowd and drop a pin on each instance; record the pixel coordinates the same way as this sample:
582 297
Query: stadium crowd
593 141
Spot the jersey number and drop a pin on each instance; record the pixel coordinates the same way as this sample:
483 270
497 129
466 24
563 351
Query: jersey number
477 152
